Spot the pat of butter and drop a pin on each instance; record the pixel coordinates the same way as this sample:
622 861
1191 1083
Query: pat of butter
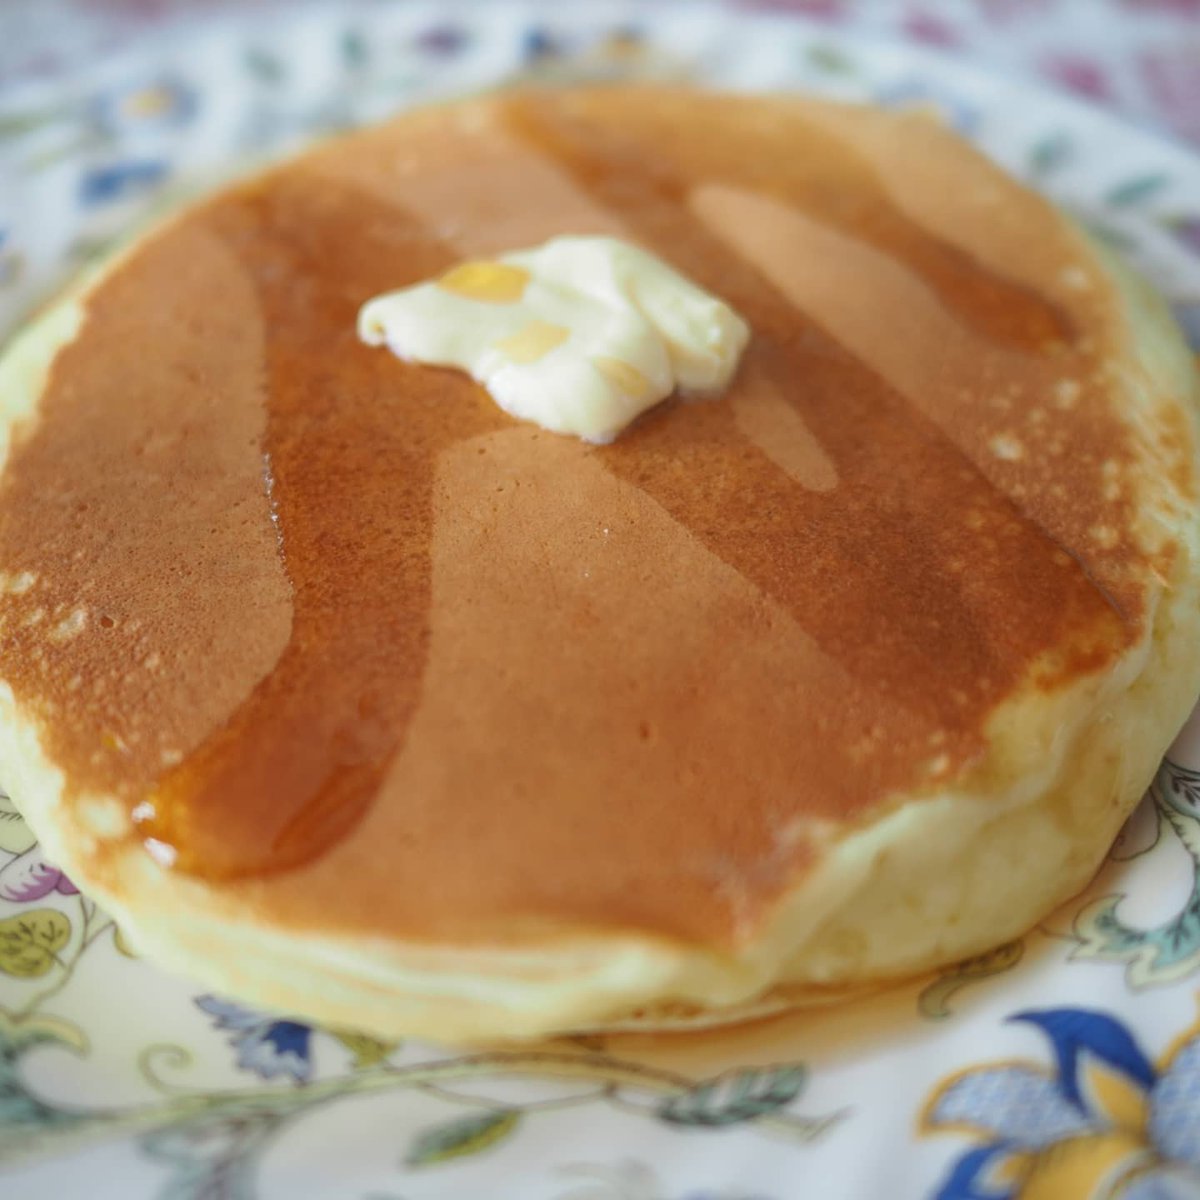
579 335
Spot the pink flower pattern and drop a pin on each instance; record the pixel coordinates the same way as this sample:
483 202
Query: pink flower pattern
1079 74
934 30
1142 56
30 877
1171 76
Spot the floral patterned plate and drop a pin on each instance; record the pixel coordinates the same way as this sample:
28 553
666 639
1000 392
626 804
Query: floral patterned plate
1066 1064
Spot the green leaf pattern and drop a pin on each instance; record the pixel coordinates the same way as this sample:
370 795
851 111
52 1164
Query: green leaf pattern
365 1051
466 1135
934 1000
30 942
1135 190
735 1097
1049 153
15 835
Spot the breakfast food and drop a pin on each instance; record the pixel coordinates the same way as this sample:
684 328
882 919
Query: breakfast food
351 694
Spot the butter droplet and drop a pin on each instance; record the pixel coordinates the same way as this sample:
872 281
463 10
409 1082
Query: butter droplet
104 817
534 341
162 854
1066 393
491 282
18 584
623 377
114 741
70 626
1075 278
1005 446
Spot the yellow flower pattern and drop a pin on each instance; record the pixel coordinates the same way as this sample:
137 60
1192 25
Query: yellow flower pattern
1103 1124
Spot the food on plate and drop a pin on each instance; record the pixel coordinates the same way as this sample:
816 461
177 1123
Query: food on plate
353 694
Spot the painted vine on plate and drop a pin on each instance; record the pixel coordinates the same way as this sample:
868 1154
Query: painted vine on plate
211 1141
1169 951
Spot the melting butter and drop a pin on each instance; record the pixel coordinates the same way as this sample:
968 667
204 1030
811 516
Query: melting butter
579 335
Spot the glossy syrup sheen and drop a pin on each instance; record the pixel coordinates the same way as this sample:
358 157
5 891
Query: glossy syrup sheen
929 578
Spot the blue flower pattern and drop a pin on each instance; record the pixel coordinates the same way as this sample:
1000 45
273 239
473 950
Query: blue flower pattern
922 95
116 181
1175 1107
268 1046
1105 1100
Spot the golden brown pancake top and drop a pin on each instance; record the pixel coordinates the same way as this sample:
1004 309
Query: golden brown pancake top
386 659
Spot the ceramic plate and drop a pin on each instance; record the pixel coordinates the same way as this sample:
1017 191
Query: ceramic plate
1064 1065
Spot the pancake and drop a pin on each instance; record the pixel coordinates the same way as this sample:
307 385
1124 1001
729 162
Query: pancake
351 695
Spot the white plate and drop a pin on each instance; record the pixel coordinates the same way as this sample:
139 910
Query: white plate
1065 1065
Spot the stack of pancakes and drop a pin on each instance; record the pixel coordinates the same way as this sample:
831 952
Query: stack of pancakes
349 694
